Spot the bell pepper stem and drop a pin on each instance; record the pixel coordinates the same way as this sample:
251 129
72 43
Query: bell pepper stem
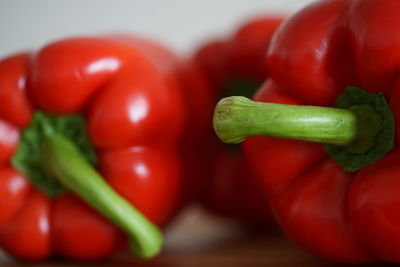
61 157
237 118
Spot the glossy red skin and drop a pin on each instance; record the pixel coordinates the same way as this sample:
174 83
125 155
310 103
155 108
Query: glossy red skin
346 217
229 190
13 80
139 165
27 234
71 217
129 91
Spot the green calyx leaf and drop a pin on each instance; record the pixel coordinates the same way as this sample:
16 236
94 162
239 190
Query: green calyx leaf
376 129
28 158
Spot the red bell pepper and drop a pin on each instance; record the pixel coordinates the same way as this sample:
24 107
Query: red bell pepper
76 111
234 65
340 200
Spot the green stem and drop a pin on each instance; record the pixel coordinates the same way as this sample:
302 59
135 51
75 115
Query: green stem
61 157
237 118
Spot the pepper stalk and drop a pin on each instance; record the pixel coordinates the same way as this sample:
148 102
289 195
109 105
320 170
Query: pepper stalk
357 132
55 155
61 158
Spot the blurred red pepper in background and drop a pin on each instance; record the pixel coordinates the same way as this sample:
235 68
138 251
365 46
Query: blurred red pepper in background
234 66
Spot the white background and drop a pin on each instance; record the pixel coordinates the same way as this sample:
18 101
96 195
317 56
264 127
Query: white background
180 24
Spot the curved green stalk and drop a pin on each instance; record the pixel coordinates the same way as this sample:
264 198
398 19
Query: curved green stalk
237 118
62 159
357 132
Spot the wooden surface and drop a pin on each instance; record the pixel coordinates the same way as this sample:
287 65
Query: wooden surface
199 240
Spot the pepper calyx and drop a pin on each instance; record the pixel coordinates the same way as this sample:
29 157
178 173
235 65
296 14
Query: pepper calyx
28 158
375 134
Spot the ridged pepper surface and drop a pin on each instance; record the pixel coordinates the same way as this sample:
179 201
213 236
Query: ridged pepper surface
74 112
334 80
